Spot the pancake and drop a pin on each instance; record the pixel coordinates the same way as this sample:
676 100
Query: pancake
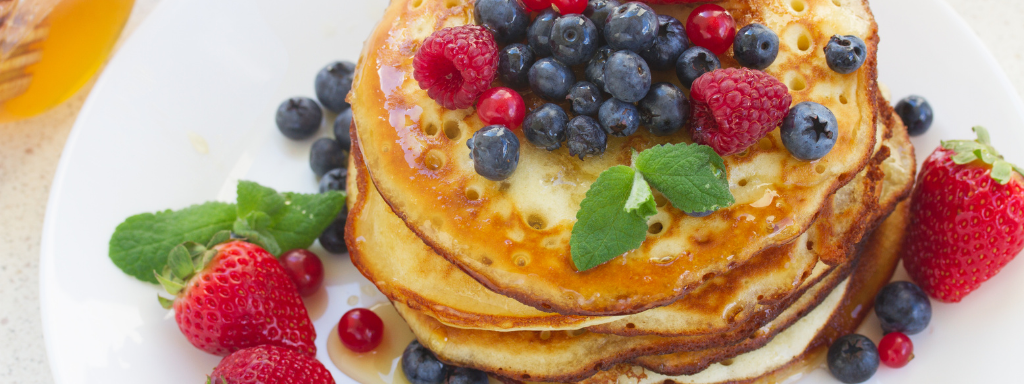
802 346
408 271
571 355
513 236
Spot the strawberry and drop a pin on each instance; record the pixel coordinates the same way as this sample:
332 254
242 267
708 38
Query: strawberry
234 296
967 218
268 364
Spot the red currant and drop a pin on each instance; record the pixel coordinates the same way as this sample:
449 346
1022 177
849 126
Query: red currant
896 349
566 7
305 269
536 5
503 106
360 330
711 27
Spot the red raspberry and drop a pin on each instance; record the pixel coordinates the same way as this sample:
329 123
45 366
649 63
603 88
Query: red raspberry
733 108
455 65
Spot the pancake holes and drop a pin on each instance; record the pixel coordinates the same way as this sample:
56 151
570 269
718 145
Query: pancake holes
734 313
546 306
431 129
417 3
803 43
843 99
765 144
655 228
820 168
434 160
451 3
805 275
472 194
797 83
385 148
452 130
630 326
659 199
545 335
726 362
742 183
798 6
486 260
536 221
707 277
837 3
521 260
760 297
526 376
810 245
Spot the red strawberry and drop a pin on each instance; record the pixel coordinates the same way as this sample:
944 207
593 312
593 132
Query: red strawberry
268 364
235 296
967 218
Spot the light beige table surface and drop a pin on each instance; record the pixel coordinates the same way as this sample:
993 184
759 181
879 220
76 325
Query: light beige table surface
29 151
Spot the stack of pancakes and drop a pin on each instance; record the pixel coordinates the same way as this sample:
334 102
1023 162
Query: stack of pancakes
482 271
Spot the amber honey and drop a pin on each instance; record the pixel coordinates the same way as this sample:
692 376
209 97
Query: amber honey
78 37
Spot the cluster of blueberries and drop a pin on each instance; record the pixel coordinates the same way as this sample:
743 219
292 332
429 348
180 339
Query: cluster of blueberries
616 46
421 366
299 118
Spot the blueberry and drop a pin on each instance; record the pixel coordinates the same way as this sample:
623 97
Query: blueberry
539 34
333 238
341 129
695 62
573 39
495 152
550 79
333 83
902 306
809 131
420 366
664 110
632 26
595 68
325 155
618 118
916 114
670 43
853 358
462 375
626 76
514 64
585 97
545 126
845 54
598 11
333 180
299 118
585 137
699 214
755 46
506 19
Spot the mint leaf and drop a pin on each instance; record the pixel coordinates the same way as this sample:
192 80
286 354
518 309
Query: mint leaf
293 220
255 229
604 229
641 200
691 176
142 243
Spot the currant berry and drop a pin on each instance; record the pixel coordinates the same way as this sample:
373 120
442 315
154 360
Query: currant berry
501 106
896 350
305 269
536 5
360 330
566 7
712 27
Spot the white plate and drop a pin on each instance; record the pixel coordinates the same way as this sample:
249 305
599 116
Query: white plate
218 69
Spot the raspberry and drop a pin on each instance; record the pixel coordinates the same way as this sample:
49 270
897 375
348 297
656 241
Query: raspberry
733 108
455 65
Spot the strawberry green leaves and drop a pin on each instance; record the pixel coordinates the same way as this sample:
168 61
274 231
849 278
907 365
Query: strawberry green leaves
279 222
612 219
968 151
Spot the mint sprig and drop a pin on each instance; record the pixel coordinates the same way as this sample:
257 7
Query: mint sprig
279 222
612 219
